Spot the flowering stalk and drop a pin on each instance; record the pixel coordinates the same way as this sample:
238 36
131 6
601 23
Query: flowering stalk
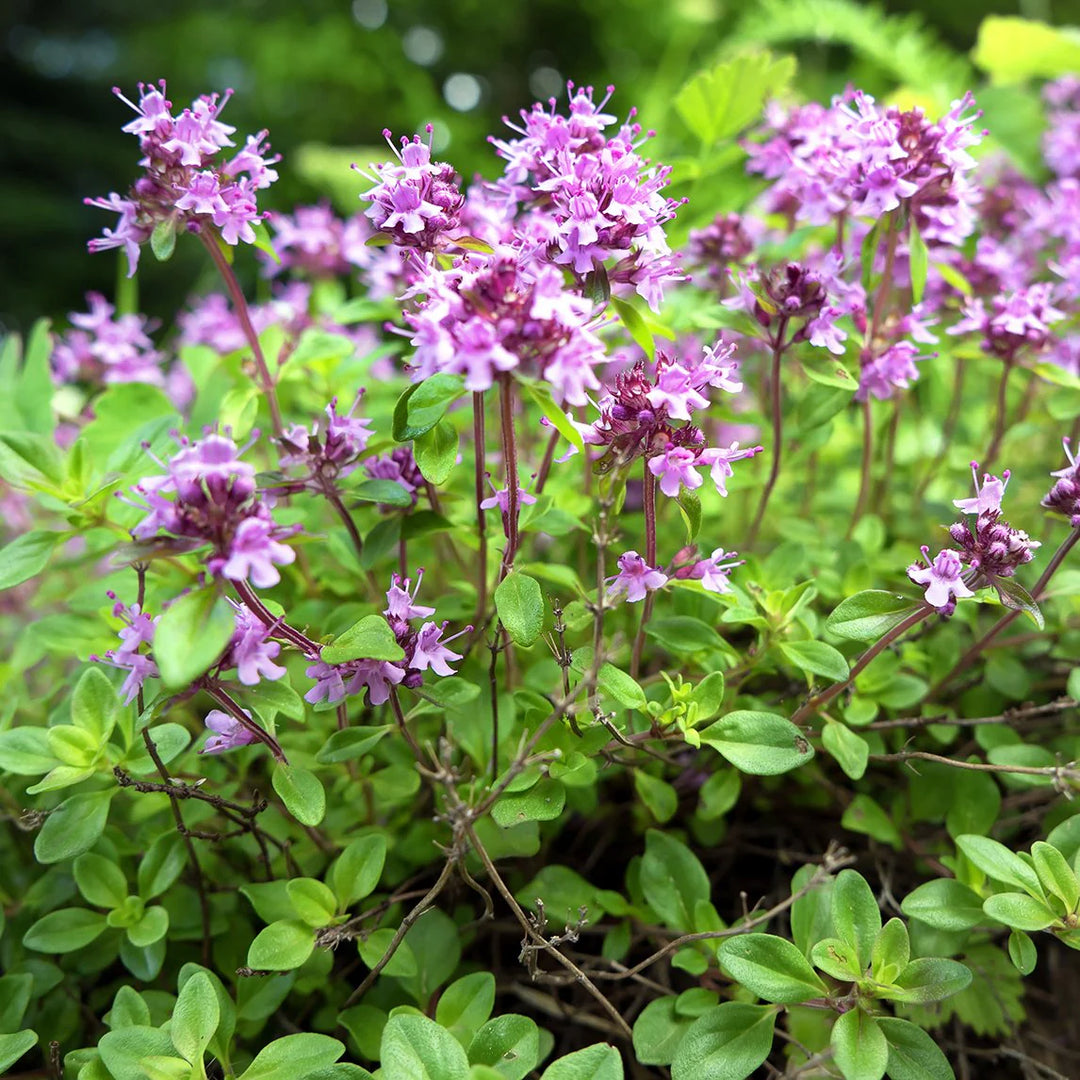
778 347
649 497
506 407
819 701
479 462
243 315
1002 409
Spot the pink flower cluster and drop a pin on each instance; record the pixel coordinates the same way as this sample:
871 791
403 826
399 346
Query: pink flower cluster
649 416
424 648
187 182
315 242
329 455
988 552
1064 496
208 496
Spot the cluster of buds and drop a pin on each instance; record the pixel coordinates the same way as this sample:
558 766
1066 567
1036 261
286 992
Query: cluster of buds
214 502
424 648
399 465
416 202
1064 496
989 551
327 456
187 182
727 241
649 416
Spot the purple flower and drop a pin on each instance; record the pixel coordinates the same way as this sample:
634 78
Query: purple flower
501 498
988 495
941 578
228 732
400 466
1064 496
250 651
401 605
892 369
675 392
418 201
314 241
675 469
137 630
635 578
335 454
254 552
185 182
720 459
713 572
430 650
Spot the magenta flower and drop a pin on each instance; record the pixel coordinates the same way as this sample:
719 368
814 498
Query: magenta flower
941 578
719 459
430 650
988 495
675 469
1064 496
186 184
675 392
401 605
254 553
714 571
250 651
635 578
137 630
227 732
501 498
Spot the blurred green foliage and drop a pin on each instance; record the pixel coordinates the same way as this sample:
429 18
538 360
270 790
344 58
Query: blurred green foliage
334 73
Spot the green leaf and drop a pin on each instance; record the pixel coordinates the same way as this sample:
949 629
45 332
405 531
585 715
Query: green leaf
422 406
913 1054
891 952
556 415
708 696
855 914
436 452
771 967
1056 874
26 556
868 616
866 815
850 749
759 743
1019 911
301 792
637 327
859 1047
64 931
828 370
25 751
1011 49
682 635
1022 952
369 639
280 697
94 704
100 880
13 1046
312 901
151 927
281 946
166 1067
672 879
163 239
294 1057
817 658
123 1050
838 959
416 1048
719 102
658 1031
402 964
465 1005
73 827
1013 595
597 1062
520 604
510 1044
14 998
658 795
358 868
997 861
388 492
919 261
726 1043
689 504
195 1018
610 680
191 636
928 979
945 904
542 802
351 743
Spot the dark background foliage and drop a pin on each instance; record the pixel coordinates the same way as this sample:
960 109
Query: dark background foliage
334 73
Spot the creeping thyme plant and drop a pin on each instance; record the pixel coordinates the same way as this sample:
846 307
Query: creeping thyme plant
613 618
